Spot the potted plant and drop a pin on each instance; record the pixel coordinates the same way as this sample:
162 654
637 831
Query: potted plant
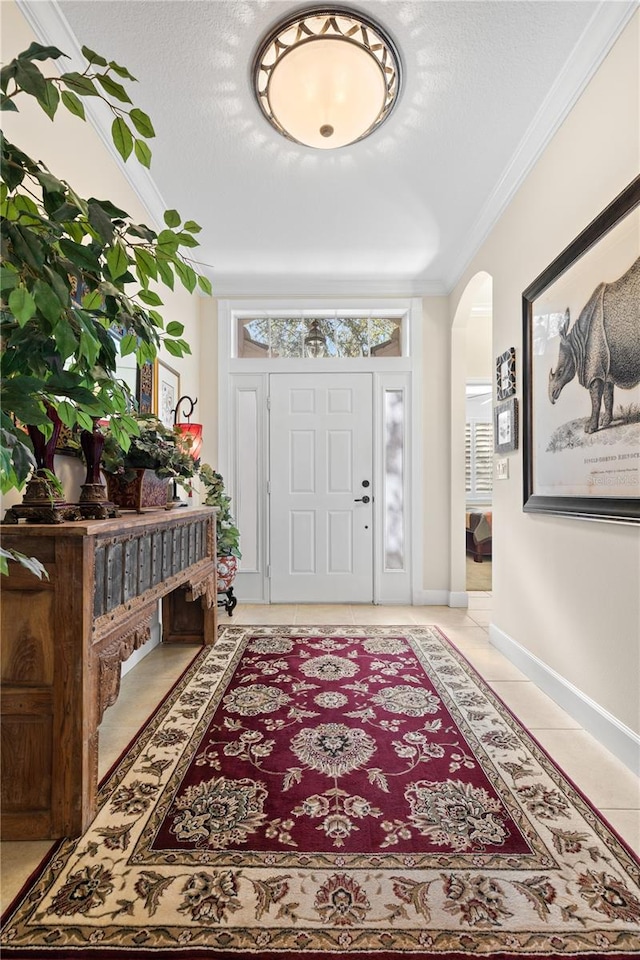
227 533
139 476
79 277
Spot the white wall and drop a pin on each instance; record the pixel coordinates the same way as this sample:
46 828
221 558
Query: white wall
436 430
208 397
567 590
479 360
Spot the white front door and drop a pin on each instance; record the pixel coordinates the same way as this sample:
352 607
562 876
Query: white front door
321 472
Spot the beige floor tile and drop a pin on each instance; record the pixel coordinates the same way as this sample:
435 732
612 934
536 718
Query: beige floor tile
113 742
325 614
19 860
169 662
463 637
165 673
139 702
394 615
480 601
258 613
533 707
491 664
168 656
150 685
482 617
627 823
443 616
602 777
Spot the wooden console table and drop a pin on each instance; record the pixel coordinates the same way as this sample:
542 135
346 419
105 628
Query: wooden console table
63 640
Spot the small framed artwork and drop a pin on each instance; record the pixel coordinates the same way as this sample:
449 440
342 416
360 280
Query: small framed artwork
505 426
68 442
581 372
506 374
146 387
168 393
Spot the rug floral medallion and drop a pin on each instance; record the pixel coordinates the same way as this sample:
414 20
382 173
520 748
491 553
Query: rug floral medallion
319 791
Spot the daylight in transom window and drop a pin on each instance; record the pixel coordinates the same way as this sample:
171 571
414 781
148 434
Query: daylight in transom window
316 337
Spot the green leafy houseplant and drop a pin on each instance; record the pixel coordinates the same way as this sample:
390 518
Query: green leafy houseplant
227 533
156 447
75 271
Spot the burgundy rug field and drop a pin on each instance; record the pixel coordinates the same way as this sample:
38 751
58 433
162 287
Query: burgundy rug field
315 792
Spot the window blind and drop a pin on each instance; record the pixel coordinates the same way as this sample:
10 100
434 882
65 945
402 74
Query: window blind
478 459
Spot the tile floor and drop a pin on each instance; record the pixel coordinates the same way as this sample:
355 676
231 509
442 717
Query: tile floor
607 782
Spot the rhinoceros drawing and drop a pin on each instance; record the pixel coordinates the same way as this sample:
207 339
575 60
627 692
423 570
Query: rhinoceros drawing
603 346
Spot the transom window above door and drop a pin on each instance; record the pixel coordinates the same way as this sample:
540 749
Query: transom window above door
320 335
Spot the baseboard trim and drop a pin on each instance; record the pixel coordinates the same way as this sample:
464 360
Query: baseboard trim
619 739
440 598
458 598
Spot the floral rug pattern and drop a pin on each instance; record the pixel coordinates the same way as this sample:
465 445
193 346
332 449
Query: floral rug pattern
333 790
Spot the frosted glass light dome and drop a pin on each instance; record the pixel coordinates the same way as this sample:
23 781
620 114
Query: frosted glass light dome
326 78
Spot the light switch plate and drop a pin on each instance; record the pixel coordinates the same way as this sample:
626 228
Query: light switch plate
502 469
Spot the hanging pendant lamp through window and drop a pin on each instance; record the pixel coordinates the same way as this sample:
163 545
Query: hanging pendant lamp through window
315 342
326 78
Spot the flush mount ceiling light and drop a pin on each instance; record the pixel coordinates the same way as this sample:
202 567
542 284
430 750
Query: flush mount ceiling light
326 77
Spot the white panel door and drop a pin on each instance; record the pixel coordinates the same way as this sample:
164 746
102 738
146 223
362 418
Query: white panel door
320 454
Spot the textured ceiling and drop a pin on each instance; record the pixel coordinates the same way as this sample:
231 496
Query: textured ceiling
402 212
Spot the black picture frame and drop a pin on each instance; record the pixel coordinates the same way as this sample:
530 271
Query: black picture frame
505 426
506 374
567 464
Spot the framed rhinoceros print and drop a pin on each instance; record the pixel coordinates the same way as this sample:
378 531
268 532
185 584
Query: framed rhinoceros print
581 372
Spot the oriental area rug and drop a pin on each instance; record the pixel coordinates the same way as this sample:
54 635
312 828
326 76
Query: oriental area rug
317 792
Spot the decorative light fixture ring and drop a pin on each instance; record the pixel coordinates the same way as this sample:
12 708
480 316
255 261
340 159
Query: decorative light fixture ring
317 24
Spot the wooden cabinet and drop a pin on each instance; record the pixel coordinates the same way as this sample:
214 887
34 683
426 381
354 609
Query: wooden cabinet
63 640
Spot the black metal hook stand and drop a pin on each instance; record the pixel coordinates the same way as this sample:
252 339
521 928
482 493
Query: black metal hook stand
230 602
175 500
177 408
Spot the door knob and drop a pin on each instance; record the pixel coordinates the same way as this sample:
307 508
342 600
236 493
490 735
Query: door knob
362 500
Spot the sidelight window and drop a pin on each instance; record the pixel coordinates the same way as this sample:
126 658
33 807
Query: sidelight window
394 479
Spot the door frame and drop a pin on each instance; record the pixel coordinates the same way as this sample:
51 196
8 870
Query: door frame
243 412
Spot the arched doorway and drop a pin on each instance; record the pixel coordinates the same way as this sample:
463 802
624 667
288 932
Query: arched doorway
471 353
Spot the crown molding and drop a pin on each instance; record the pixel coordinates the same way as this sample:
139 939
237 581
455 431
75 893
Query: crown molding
604 28
283 285
51 27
